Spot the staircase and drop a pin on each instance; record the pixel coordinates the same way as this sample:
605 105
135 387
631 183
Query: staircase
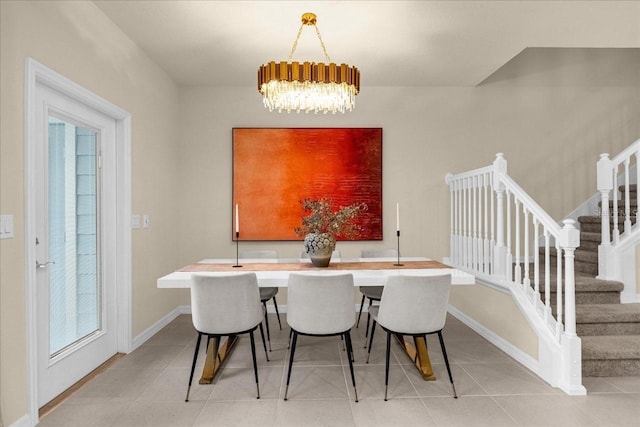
495 225
610 331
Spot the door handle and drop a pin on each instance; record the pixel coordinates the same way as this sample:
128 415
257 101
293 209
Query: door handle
44 264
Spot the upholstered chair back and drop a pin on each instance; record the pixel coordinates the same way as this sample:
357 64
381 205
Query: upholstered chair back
320 304
225 304
415 304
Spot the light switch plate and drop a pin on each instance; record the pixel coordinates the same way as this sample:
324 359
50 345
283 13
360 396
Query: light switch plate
6 226
135 221
145 221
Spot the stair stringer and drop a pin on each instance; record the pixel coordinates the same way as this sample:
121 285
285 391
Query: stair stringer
559 363
620 264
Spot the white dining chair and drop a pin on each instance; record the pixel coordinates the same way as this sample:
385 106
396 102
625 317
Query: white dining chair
373 293
320 305
414 306
225 306
266 293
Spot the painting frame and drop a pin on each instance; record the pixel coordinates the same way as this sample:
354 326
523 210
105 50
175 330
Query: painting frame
274 169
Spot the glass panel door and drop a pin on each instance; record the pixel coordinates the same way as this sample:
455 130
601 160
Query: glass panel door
74 281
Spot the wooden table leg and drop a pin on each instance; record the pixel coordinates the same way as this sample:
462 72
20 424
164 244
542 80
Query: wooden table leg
216 354
419 355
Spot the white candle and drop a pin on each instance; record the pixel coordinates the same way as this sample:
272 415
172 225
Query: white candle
237 221
398 216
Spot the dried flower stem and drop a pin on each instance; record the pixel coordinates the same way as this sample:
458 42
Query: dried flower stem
322 219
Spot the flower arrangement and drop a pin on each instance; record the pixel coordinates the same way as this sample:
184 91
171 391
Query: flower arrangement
322 218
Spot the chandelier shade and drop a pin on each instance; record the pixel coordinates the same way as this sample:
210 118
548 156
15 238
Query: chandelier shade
308 86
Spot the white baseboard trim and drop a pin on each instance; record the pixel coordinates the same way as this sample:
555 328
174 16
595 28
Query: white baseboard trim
629 298
23 421
504 345
156 327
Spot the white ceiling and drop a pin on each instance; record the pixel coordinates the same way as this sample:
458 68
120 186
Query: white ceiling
393 43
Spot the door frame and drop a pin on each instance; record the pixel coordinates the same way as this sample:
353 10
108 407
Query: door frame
36 72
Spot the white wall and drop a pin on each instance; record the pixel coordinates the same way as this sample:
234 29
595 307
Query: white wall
181 157
551 138
78 41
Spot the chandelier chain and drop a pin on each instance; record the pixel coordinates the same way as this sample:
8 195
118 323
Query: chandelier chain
295 43
324 48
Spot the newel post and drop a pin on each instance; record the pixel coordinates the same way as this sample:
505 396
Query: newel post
453 250
605 185
569 240
571 377
500 252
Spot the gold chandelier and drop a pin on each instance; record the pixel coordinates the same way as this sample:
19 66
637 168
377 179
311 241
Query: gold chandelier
307 86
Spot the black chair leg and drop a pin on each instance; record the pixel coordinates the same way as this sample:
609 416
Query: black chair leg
275 305
293 350
193 365
266 321
264 343
347 338
446 362
344 348
373 331
360 312
255 363
386 366
290 336
366 333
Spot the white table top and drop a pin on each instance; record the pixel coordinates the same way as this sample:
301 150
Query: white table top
361 277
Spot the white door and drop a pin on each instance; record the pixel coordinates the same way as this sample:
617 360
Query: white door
75 241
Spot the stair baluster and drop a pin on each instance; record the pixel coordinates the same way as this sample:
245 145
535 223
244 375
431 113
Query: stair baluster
485 242
627 199
526 281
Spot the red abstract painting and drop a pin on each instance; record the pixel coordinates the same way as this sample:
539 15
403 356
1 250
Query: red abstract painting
275 168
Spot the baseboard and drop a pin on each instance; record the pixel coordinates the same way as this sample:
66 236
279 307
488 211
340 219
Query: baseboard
156 327
629 298
23 421
520 356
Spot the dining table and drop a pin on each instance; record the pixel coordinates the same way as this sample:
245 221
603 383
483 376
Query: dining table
365 271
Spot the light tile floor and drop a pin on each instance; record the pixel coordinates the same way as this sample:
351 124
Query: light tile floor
147 388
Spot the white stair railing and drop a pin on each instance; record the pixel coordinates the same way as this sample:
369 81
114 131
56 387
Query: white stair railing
495 230
619 236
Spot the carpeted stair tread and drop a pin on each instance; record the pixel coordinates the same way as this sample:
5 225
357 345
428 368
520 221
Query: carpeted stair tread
590 236
586 256
611 347
586 283
593 219
607 313
592 224
581 255
596 219
589 290
621 205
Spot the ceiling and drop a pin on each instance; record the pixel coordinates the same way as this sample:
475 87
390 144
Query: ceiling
393 43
